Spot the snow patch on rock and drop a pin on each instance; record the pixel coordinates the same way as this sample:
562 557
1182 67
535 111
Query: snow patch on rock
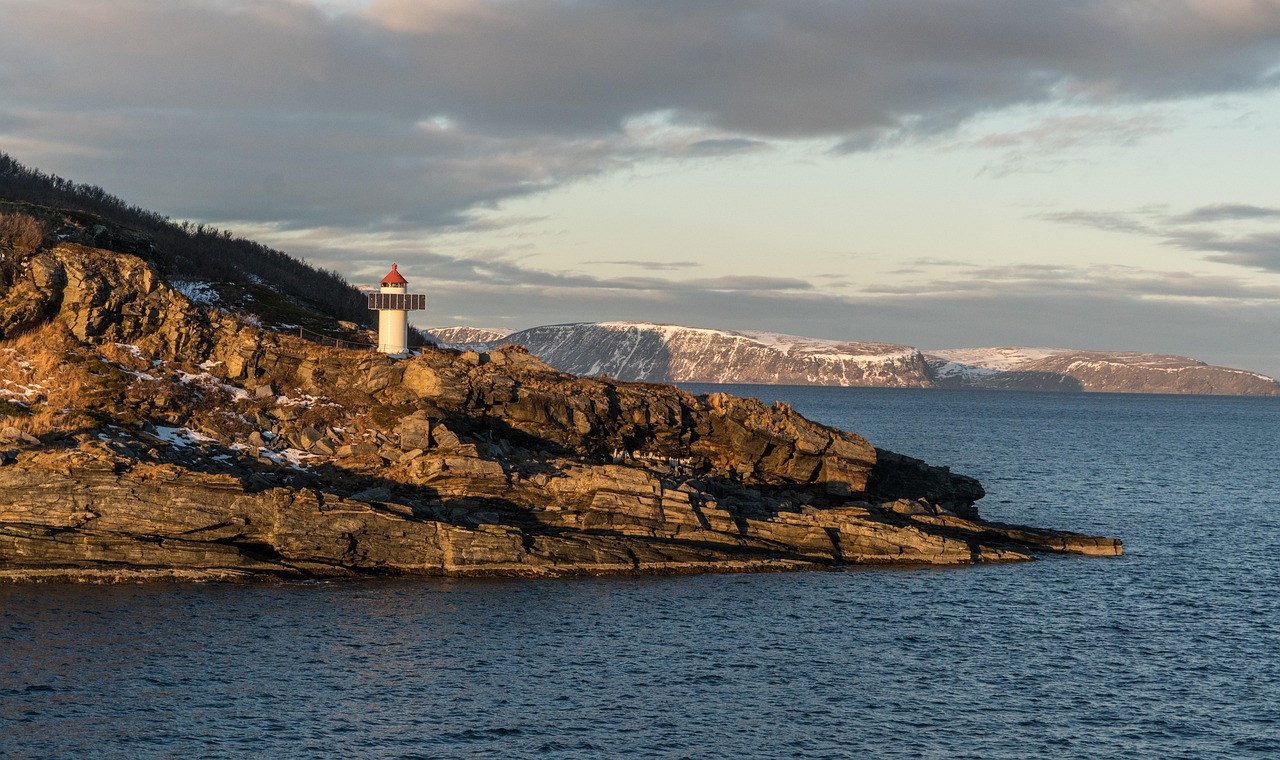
199 293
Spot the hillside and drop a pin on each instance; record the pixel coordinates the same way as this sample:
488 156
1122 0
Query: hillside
247 274
672 353
466 336
1054 369
144 436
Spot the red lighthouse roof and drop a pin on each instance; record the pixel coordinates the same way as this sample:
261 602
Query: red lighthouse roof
394 278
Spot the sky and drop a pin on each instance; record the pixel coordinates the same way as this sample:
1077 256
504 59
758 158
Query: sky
1090 174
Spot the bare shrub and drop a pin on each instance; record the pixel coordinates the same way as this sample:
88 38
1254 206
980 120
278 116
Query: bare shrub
21 233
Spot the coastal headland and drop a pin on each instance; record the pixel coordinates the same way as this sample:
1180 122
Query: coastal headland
147 436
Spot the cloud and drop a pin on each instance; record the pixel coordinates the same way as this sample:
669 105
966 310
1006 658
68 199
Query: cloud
725 146
651 265
737 283
1208 229
1035 147
1108 221
1223 212
1258 251
416 114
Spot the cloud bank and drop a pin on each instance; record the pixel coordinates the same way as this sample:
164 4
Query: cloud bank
402 119
412 114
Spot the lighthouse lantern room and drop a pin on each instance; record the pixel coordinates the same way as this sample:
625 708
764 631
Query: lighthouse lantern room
393 305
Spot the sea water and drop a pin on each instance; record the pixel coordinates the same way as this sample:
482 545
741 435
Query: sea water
1172 650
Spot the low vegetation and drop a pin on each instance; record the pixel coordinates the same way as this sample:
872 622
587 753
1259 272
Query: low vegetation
190 251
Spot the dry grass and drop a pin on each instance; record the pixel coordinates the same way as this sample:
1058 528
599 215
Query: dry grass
21 233
59 381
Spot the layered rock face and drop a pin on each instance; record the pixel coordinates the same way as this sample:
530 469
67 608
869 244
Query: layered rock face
220 450
670 353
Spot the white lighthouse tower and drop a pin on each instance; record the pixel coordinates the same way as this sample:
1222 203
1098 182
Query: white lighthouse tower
393 305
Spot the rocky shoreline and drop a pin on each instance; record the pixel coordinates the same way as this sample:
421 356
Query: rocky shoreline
206 447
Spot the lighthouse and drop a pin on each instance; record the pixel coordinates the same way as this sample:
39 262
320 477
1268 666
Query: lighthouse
393 305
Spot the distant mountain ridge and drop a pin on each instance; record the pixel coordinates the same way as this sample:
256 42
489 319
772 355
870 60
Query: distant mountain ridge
650 352
654 352
463 335
1019 368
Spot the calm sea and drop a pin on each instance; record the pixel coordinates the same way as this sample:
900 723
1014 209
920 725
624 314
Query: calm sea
1170 651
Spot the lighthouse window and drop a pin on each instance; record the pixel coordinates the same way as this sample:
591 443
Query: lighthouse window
398 301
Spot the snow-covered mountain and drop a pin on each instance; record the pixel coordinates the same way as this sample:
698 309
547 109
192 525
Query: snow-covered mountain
1021 368
462 335
671 353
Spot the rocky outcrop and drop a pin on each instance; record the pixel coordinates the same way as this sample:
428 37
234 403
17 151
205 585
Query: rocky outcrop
221 450
102 511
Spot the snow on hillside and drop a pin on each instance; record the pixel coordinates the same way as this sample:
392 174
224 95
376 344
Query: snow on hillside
791 345
1001 359
653 352
674 353
464 335
1022 368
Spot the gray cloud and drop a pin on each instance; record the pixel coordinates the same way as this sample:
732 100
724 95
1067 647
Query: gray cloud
651 265
426 111
1259 251
1224 212
1207 229
509 275
1037 148
725 146
738 283
1054 281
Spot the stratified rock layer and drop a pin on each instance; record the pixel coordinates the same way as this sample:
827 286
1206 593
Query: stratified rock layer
278 458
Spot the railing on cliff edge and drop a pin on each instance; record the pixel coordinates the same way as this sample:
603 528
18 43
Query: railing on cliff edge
329 340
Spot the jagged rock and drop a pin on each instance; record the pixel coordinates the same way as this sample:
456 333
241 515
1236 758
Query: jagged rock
308 437
285 413
14 434
357 450
415 432
263 392
444 438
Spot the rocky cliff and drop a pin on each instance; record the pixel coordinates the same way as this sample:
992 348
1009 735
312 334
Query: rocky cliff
145 438
672 353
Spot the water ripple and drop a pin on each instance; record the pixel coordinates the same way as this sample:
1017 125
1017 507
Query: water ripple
1166 652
